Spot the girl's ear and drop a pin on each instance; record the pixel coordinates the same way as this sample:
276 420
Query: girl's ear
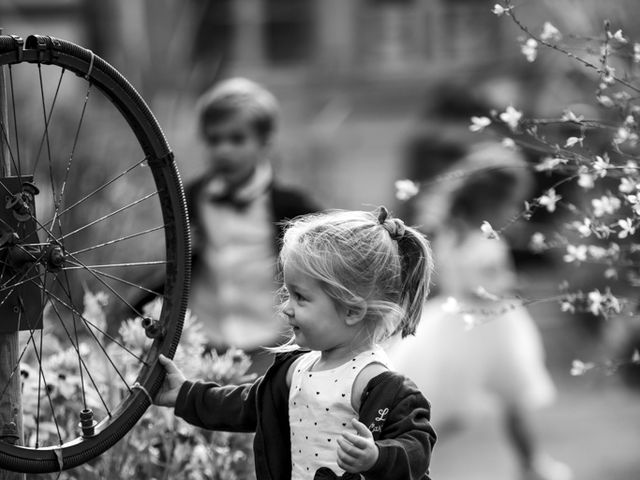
354 315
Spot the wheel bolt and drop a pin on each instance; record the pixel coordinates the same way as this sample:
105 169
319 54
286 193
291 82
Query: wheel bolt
87 423
152 327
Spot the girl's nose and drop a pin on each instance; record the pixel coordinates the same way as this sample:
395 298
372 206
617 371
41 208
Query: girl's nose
288 310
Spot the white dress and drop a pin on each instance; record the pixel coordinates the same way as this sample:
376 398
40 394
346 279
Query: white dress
463 371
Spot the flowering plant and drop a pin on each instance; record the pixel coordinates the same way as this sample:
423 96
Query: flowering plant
160 446
589 153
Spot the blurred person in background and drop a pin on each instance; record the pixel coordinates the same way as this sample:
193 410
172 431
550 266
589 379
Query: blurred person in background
237 210
477 347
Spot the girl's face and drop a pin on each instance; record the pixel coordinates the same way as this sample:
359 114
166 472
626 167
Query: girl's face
317 322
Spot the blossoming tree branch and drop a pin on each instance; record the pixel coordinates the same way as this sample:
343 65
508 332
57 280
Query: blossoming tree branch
597 161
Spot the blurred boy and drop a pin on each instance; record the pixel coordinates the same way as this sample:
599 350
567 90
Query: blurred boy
236 209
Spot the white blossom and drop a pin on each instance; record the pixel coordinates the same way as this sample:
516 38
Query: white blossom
569 116
537 242
567 306
482 292
499 10
605 205
405 189
596 252
609 76
488 231
578 367
601 165
479 123
596 301
575 253
571 141
511 117
585 179
630 167
618 36
550 32
584 227
627 185
605 101
508 143
451 305
549 163
626 227
549 200
625 134
469 321
530 49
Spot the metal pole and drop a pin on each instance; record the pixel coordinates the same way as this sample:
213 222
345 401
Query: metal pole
11 401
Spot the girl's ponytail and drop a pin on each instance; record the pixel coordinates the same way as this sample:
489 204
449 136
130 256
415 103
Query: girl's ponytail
417 265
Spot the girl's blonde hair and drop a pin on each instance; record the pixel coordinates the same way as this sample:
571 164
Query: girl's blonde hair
367 262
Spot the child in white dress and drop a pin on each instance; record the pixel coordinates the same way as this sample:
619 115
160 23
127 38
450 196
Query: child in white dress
329 406
477 347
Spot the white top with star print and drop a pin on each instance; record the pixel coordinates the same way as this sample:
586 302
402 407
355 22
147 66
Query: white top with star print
320 410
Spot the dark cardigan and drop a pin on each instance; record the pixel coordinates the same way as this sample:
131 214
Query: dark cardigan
392 407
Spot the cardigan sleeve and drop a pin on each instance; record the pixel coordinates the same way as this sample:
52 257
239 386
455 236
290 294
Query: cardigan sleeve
404 436
231 408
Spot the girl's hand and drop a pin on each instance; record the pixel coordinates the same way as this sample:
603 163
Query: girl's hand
168 393
357 453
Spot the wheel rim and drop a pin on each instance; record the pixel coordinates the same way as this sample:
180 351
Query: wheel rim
112 224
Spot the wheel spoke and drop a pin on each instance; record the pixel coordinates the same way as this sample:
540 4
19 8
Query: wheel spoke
76 347
109 215
58 203
42 377
117 240
15 119
77 265
9 151
106 354
88 323
111 289
99 189
126 282
47 118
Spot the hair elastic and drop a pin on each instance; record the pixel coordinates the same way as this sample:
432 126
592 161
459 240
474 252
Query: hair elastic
394 226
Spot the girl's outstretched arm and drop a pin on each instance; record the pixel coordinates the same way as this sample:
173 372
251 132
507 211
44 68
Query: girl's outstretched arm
168 393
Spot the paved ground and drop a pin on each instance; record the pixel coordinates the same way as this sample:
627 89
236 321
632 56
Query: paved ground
594 426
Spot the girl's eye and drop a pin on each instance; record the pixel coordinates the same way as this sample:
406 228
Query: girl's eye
299 297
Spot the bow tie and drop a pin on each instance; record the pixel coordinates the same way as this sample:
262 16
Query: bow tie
229 199
325 473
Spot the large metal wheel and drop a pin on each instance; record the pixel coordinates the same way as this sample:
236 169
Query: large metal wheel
84 210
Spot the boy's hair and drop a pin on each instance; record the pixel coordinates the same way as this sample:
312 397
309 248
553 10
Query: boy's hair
366 262
239 95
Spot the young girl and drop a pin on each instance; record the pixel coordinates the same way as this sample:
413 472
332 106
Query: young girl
329 407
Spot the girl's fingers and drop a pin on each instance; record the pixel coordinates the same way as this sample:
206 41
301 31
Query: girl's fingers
168 364
347 448
361 428
345 461
357 440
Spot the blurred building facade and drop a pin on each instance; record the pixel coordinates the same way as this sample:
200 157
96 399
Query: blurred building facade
354 76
